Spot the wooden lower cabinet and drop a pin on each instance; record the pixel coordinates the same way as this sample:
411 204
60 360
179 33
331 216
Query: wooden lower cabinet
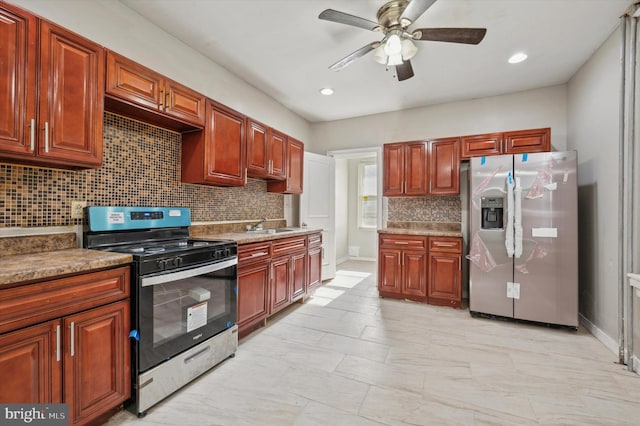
314 271
420 268
30 369
280 282
253 294
298 275
82 359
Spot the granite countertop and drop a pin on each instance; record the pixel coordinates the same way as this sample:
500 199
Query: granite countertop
427 229
423 232
251 237
18 268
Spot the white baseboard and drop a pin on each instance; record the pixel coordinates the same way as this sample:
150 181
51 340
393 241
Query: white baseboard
603 337
366 259
342 260
635 363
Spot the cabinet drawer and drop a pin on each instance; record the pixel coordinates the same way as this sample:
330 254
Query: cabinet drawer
33 303
250 253
315 240
398 241
289 245
445 244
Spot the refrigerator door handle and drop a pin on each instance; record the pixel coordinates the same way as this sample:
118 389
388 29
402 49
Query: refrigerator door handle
508 240
517 224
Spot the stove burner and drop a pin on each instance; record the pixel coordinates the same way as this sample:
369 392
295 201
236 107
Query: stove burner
152 250
137 249
200 243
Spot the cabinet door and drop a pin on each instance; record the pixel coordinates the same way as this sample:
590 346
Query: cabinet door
71 97
393 169
17 81
183 103
415 169
216 155
295 170
96 362
444 279
444 166
280 280
414 282
481 145
524 141
278 155
315 268
299 275
257 152
132 82
390 271
30 365
253 294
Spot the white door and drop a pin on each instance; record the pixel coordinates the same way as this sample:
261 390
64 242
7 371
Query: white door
317 206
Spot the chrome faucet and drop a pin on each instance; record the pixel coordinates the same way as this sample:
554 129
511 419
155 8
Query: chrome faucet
257 226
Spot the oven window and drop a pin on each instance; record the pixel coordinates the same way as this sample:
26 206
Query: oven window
183 306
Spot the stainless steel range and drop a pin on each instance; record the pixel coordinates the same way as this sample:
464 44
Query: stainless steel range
184 295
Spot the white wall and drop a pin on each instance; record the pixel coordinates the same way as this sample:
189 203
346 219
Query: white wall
342 209
523 110
593 119
122 30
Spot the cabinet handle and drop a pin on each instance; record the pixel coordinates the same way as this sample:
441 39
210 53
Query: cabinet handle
401 242
445 244
73 338
257 254
46 136
162 99
58 343
33 134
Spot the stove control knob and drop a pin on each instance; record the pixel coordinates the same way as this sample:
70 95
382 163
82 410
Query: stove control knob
216 254
177 261
161 264
227 252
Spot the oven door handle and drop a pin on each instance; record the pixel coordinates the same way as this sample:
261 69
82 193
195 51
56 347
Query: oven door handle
188 273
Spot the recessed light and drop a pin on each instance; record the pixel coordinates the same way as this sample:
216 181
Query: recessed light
516 58
327 91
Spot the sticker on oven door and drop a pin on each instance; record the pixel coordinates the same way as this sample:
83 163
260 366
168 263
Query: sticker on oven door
115 217
175 213
196 316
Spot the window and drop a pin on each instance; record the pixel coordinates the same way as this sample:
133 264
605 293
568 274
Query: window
367 194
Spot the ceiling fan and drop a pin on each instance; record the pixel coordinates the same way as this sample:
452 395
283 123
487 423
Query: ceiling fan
397 47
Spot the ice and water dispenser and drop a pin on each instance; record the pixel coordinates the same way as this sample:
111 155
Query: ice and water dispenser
492 211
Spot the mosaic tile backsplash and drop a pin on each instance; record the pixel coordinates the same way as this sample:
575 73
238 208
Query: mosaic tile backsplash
141 167
425 209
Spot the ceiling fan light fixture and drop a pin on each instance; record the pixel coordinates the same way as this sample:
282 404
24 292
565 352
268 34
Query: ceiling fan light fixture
379 56
409 49
393 45
394 60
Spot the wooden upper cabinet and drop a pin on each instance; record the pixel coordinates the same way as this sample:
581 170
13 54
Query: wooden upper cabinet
393 176
62 125
481 145
512 142
523 141
143 93
405 169
416 177
293 184
266 151
17 81
444 166
217 154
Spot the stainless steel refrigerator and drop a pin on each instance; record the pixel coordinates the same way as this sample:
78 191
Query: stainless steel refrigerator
523 242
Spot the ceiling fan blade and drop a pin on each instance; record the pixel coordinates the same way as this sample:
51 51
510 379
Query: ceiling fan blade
404 71
452 35
414 10
353 56
345 18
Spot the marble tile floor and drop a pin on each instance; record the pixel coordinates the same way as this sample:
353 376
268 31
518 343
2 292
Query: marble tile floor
347 357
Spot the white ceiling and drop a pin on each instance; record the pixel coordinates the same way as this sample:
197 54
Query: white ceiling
284 50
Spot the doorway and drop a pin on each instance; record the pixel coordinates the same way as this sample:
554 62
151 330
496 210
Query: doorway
358 203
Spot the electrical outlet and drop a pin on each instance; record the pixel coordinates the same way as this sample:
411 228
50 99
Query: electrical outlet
76 209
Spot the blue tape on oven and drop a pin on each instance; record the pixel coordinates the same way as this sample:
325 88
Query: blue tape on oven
525 157
236 290
229 324
483 160
134 335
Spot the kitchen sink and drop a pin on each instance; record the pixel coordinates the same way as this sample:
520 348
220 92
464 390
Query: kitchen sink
270 231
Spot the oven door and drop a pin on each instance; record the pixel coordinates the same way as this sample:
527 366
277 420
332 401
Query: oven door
180 309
